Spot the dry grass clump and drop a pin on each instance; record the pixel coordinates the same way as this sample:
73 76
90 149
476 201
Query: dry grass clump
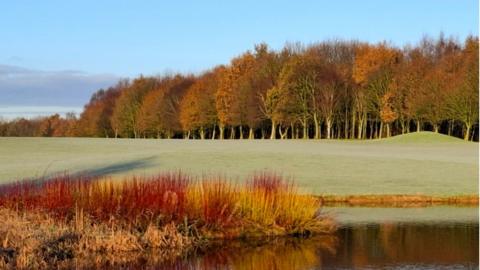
212 207
32 240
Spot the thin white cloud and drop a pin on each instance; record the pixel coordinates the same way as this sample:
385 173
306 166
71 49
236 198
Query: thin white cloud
13 112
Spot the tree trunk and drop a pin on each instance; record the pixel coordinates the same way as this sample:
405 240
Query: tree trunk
283 134
232 133
418 125
372 129
380 131
388 130
450 127
222 131
241 132
364 131
273 134
213 132
305 131
263 133
468 126
329 127
317 131
360 129
435 128
251 135
346 127
320 131
202 133
338 130
354 120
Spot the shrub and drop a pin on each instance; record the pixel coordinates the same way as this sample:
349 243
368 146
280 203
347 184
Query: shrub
214 206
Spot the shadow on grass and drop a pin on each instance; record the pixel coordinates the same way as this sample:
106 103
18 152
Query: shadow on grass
120 167
115 168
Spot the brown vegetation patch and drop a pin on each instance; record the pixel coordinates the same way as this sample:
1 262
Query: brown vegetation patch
33 240
399 200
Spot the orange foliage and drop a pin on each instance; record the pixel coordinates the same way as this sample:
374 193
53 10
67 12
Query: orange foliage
197 108
387 112
370 59
233 91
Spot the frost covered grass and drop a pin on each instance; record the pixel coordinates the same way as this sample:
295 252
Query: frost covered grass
418 163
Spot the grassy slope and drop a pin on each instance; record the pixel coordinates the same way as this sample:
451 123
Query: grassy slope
421 163
423 137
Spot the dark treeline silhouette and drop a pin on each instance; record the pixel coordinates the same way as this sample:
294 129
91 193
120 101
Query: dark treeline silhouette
332 89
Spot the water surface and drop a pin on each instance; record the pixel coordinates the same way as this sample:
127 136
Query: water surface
368 238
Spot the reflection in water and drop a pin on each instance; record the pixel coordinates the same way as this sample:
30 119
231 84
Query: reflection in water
383 245
374 246
290 253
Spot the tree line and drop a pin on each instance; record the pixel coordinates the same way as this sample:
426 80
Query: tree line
332 89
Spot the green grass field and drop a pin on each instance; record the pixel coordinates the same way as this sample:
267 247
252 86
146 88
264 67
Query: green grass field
417 163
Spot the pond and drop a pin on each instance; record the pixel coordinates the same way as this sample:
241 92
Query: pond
368 238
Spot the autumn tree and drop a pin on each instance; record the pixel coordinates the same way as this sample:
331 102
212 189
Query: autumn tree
373 69
21 127
234 93
462 103
412 82
387 110
339 57
57 126
264 76
124 117
197 108
270 102
269 66
331 89
360 77
295 84
309 85
148 117
95 118
330 62
160 108
434 97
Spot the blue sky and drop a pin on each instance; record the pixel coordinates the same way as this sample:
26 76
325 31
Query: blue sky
97 42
